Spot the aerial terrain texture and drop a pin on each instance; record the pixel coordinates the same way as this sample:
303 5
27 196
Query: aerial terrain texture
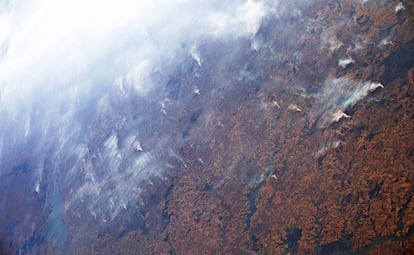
229 127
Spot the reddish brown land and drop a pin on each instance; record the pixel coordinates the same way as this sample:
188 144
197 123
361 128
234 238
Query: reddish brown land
271 161
263 173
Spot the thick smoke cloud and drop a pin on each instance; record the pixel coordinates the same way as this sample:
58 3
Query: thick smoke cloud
62 62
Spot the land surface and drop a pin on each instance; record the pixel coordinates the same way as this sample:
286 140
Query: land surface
271 158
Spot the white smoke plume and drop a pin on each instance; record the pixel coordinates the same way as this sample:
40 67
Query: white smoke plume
339 94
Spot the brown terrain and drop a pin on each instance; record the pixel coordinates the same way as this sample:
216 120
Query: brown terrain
264 168
270 162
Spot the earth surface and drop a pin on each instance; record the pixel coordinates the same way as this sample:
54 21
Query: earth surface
298 140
